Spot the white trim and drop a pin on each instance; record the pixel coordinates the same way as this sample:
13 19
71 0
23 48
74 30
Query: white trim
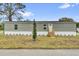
18 33
42 33
24 33
65 33
62 33
78 29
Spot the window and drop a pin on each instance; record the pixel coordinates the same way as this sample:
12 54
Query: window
44 27
16 27
44 24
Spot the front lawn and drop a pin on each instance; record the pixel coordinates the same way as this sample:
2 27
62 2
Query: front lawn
41 42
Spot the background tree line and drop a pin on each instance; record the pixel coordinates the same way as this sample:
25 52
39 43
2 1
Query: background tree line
65 19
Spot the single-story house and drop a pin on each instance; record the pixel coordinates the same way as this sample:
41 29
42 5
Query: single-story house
43 28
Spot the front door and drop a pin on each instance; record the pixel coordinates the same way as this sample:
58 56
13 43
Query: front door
50 30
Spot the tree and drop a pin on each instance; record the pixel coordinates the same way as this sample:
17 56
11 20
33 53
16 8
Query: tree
77 25
65 19
1 26
11 10
34 31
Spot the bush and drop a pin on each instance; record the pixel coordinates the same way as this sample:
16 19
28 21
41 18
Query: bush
34 31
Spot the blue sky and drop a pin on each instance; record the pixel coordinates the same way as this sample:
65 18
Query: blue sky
51 11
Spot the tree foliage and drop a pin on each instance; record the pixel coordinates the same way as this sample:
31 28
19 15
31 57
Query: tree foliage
1 26
65 19
11 10
34 31
77 25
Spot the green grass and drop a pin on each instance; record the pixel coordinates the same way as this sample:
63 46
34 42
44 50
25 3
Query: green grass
41 42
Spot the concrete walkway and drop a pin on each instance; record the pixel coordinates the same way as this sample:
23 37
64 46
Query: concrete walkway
39 52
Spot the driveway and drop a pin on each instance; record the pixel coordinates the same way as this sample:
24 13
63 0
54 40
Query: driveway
39 52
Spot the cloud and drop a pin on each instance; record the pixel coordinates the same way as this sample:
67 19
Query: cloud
27 14
64 6
67 5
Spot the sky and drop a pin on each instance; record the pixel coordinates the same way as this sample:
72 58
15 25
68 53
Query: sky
51 11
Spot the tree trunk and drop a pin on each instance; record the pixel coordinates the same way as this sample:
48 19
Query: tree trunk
10 13
10 18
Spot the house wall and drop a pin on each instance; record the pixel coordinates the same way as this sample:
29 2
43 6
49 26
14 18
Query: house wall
20 27
65 29
40 27
26 28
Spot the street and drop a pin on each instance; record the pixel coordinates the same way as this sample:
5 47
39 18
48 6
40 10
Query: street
39 52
